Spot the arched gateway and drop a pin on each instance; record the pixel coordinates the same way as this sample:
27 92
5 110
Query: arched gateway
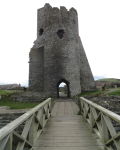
67 84
58 55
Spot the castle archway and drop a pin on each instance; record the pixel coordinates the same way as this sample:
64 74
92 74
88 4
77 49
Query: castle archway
67 87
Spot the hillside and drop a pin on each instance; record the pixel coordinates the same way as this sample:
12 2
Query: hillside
109 79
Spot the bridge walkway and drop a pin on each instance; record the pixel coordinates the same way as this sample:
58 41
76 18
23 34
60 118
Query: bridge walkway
66 130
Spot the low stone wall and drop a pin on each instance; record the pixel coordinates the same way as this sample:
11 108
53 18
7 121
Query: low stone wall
109 102
28 97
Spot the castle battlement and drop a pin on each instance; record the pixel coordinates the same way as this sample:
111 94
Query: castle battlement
47 7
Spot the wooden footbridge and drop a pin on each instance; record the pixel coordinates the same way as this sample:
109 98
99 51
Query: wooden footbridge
62 129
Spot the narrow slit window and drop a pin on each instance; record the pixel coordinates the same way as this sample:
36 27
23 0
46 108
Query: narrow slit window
41 32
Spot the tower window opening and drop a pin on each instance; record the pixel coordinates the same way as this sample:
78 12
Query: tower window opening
41 32
60 33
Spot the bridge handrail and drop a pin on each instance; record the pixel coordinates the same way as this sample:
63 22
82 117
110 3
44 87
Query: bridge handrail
33 121
101 121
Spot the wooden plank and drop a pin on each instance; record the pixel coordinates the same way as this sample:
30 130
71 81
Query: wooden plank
20 145
117 143
27 127
91 117
8 145
3 142
109 125
99 125
40 113
67 132
105 135
18 137
71 148
94 113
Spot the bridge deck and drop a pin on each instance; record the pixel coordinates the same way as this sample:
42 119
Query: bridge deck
67 131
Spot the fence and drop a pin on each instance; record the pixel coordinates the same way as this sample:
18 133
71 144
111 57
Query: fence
102 122
23 132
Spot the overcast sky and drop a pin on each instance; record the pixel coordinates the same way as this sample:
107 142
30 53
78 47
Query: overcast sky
99 29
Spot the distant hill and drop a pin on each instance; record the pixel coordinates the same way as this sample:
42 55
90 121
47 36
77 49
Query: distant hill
109 79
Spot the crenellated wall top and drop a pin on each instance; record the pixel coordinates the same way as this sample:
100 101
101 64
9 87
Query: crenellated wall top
47 7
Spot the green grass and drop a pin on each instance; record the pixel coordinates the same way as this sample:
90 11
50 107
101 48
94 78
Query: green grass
98 93
91 93
16 105
7 101
109 79
116 93
2 92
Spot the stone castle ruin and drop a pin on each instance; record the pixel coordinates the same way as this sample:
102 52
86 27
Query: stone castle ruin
58 55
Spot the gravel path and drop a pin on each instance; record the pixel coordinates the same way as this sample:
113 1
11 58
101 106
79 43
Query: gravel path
112 90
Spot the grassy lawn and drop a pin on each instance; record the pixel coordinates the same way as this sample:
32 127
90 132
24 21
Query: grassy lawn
91 93
97 93
116 93
16 105
3 92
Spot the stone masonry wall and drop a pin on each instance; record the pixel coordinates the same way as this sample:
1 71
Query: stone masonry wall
56 55
86 78
36 70
26 97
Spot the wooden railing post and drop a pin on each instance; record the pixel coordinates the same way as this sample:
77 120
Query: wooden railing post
31 131
32 123
105 135
102 122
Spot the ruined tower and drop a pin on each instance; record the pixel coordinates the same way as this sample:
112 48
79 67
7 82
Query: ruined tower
58 55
